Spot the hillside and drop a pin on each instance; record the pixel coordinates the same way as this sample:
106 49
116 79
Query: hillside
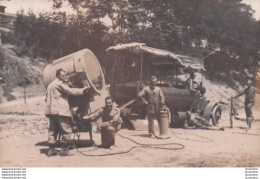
19 72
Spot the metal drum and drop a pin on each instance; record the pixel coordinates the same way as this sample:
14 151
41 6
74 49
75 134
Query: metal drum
164 122
82 68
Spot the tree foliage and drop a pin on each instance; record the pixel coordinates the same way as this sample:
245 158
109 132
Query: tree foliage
176 25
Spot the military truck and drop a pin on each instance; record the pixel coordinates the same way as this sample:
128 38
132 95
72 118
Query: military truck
134 63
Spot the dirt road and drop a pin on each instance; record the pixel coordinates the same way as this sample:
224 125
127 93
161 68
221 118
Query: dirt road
23 143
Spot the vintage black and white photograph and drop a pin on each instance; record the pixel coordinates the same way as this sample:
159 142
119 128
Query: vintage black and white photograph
130 83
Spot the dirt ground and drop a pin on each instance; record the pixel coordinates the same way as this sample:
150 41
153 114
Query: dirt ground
23 143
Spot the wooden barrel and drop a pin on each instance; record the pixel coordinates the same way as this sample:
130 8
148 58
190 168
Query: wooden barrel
81 66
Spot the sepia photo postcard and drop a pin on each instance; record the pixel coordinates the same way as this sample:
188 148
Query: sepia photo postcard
123 83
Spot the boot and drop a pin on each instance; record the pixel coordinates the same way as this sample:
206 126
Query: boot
64 151
249 122
152 136
185 125
51 151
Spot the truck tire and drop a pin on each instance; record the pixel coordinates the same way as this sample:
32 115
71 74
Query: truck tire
216 115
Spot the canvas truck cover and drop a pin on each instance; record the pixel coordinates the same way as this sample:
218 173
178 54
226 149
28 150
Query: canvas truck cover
161 57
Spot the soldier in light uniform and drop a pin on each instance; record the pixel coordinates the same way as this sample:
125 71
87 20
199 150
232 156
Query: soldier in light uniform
58 111
153 97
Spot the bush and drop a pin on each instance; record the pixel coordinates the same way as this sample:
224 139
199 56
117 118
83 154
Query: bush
8 37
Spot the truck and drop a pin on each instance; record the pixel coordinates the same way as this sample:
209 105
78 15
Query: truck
133 64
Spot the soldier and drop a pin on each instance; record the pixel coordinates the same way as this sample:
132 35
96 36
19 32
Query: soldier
249 101
195 91
192 85
110 122
154 98
59 112
195 121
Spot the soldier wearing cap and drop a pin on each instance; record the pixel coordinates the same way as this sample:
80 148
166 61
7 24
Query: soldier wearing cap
153 97
59 112
109 123
249 100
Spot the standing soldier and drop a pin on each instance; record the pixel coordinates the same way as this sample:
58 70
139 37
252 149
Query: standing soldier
110 122
249 101
59 112
154 98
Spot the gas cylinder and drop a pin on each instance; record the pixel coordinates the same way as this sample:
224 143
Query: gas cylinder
82 66
164 122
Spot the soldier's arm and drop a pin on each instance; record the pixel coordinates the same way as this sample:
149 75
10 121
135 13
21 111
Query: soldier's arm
141 96
162 100
116 115
94 116
72 91
240 94
190 84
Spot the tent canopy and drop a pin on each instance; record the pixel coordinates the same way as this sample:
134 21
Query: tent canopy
154 56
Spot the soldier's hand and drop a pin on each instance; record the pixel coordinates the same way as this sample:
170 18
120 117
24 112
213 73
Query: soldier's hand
86 88
98 127
87 118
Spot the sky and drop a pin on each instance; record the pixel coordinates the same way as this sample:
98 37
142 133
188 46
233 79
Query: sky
255 4
12 6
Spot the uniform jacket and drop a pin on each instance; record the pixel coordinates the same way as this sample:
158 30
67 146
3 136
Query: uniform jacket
57 98
154 97
191 84
107 115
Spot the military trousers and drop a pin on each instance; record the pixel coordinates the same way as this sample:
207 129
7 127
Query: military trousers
248 109
62 125
107 135
151 118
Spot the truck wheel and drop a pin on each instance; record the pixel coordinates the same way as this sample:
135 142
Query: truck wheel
216 115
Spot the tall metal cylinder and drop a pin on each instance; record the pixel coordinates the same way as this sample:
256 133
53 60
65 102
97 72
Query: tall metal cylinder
164 122
83 65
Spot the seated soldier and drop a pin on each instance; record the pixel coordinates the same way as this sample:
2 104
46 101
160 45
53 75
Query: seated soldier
192 85
195 92
110 122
